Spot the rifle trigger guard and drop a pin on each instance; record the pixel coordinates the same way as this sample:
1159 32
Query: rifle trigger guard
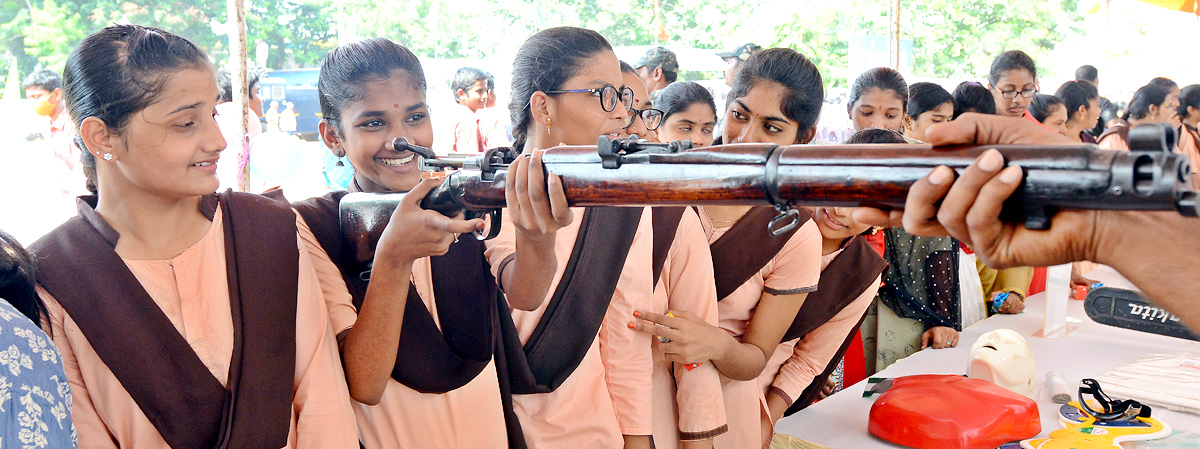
792 217
493 223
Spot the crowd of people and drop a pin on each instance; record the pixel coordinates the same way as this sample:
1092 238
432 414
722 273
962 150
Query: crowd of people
174 316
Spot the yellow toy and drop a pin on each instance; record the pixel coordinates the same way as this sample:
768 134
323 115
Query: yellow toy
1084 431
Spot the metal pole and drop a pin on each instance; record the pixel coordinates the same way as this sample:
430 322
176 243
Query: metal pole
895 37
236 10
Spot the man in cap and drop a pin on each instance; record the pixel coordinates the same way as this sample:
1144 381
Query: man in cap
734 58
658 68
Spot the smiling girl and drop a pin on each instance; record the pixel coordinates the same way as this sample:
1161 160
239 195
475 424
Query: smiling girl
420 353
173 306
1050 111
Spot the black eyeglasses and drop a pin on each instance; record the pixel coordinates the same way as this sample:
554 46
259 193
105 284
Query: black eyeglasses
1010 94
609 96
651 117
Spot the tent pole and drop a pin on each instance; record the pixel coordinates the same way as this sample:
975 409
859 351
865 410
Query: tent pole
236 10
895 37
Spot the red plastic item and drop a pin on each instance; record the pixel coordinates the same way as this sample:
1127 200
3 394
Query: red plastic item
952 412
1081 292
1038 284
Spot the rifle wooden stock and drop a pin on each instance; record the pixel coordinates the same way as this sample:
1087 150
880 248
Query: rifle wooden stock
1056 176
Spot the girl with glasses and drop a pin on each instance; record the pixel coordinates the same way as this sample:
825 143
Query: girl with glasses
688 407
642 120
1150 104
1013 81
580 376
420 353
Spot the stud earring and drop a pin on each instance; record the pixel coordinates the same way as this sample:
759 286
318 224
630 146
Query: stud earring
107 156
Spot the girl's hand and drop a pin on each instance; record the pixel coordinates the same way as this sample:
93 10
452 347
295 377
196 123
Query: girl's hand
1012 305
537 205
682 337
413 232
939 337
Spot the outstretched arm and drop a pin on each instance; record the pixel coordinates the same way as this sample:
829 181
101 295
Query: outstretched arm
1157 251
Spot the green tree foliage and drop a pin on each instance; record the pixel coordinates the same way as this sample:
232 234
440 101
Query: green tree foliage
951 38
298 32
40 34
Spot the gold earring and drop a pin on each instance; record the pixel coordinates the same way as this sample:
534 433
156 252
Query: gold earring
547 126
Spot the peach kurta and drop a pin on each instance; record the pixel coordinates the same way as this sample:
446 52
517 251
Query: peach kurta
687 404
799 363
191 289
581 412
795 269
1113 142
1189 145
470 416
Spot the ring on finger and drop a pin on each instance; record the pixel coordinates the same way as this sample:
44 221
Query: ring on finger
663 339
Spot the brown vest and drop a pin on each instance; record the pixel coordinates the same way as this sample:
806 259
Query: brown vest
847 276
153 362
1120 129
666 223
574 312
747 247
850 274
429 359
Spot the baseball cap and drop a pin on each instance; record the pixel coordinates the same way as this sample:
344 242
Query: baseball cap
743 52
659 57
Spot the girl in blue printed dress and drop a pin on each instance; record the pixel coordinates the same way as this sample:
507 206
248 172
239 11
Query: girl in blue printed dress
35 399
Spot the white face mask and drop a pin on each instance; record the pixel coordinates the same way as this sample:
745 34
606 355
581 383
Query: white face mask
1003 357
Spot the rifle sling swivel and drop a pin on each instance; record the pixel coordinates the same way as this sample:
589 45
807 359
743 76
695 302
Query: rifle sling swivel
788 217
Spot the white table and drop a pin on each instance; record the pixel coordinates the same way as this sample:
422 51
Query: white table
840 421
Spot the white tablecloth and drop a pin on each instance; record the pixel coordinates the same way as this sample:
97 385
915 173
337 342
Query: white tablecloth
840 421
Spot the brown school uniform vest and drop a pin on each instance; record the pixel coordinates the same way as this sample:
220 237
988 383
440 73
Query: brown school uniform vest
470 309
575 311
666 224
153 362
1120 129
747 247
429 359
850 274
